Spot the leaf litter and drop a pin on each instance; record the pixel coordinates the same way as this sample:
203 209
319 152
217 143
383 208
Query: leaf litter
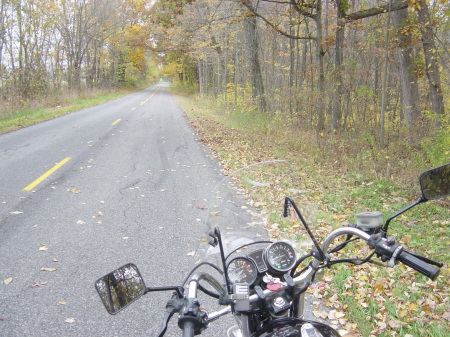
415 301
39 284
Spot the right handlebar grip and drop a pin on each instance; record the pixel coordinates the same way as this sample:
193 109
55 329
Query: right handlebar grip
418 265
188 329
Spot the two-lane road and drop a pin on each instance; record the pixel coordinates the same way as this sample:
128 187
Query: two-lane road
85 193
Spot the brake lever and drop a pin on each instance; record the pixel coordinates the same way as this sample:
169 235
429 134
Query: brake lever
173 305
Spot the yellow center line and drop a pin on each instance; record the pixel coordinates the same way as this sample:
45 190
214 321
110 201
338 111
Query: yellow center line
150 97
46 174
116 121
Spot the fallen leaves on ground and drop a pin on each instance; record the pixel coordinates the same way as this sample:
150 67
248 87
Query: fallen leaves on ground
47 269
39 284
328 197
8 280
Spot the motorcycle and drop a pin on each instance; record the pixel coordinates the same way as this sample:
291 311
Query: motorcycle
262 282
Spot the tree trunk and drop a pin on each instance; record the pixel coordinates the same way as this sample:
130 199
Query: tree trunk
253 56
339 55
431 57
2 33
410 90
320 59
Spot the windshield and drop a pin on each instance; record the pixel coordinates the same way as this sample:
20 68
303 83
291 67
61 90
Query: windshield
247 206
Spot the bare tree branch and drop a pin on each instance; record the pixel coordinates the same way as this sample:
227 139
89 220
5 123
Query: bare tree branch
274 25
396 5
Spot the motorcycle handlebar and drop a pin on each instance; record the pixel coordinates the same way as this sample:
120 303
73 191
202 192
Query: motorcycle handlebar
188 329
404 257
418 265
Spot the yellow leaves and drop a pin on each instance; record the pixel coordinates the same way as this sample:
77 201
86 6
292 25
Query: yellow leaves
47 269
8 280
402 313
363 278
416 4
412 306
378 288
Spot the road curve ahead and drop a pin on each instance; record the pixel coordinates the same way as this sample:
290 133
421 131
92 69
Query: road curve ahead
85 193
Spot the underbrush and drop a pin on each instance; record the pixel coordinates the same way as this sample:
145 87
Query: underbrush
339 177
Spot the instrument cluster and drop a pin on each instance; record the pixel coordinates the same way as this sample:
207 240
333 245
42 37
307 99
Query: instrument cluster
277 258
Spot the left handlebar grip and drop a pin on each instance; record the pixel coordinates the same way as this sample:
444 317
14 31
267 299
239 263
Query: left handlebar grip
418 265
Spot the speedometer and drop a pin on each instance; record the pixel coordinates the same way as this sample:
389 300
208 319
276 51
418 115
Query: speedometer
241 270
280 257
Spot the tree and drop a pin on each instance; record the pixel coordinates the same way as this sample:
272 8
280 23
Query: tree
409 85
431 58
257 84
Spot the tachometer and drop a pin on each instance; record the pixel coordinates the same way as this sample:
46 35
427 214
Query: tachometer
280 256
241 270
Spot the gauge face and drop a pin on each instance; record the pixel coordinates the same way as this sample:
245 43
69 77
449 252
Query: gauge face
280 256
257 257
241 270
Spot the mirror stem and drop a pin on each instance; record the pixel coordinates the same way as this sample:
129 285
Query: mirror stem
386 225
179 290
288 201
222 256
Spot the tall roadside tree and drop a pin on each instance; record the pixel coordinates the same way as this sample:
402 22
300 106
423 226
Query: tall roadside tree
251 33
305 10
408 79
431 56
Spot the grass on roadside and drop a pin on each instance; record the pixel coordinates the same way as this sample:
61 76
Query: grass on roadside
380 301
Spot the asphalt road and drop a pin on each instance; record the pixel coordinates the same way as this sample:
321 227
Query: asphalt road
128 186
82 194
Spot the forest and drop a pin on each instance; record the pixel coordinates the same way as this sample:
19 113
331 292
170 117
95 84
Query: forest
376 70
354 93
50 48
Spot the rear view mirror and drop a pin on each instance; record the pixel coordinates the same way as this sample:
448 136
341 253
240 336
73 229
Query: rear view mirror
120 288
435 183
